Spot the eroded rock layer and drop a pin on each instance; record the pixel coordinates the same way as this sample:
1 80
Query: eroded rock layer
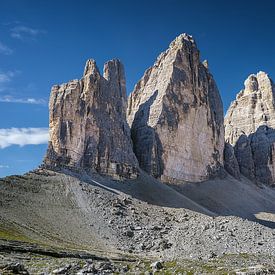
176 116
88 127
250 128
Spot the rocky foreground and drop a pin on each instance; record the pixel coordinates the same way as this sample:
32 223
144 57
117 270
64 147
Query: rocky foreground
51 221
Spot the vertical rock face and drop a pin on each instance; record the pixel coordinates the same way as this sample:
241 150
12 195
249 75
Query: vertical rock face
176 116
230 161
250 128
88 127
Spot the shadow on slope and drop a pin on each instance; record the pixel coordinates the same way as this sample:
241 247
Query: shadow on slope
217 197
146 188
52 195
231 197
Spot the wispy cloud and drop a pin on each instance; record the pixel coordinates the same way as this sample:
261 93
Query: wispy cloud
5 49
6 76
4 166
36 101
23 136
22 32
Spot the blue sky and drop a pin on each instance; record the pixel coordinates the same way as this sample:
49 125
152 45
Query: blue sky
47 42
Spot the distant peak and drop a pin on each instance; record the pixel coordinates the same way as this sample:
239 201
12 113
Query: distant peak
185 36
182 39
113 69
90 67
113 64
114 61
255 82
251 83
262 75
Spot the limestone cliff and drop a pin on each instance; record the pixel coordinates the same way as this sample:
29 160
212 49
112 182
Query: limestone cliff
250 128
230 161
176 116
88 127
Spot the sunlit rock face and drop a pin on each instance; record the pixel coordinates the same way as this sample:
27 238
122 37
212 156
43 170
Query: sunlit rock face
176 116
250 128
88 127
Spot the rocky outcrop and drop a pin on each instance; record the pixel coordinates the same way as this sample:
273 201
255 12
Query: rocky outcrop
88 127
230 161
176 116
250 128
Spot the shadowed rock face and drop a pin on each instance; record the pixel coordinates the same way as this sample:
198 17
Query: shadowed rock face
176 116
88 127
230 161
250 128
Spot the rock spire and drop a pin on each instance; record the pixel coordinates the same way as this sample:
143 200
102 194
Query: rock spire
88 127
176 116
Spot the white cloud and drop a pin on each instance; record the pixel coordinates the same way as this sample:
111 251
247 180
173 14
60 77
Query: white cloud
10 99
5 49
22 32
23 136
4 166
6 77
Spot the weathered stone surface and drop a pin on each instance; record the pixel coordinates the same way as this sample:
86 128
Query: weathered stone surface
230 162
250 128
244 157
88 127
176 116
253 107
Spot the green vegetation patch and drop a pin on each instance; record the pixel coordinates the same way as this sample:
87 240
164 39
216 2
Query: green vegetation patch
11 234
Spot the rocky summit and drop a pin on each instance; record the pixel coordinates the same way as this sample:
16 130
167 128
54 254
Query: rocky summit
176 116
88 127
249 128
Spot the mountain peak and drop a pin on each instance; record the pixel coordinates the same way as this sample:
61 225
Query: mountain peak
257 82
90 67
174 100
182 39
249 124
88 128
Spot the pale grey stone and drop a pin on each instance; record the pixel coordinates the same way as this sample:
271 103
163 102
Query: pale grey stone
88 127
176 116
249 128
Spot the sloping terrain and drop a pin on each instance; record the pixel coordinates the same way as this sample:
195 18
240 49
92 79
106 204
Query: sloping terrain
229 196
58 209
139 218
